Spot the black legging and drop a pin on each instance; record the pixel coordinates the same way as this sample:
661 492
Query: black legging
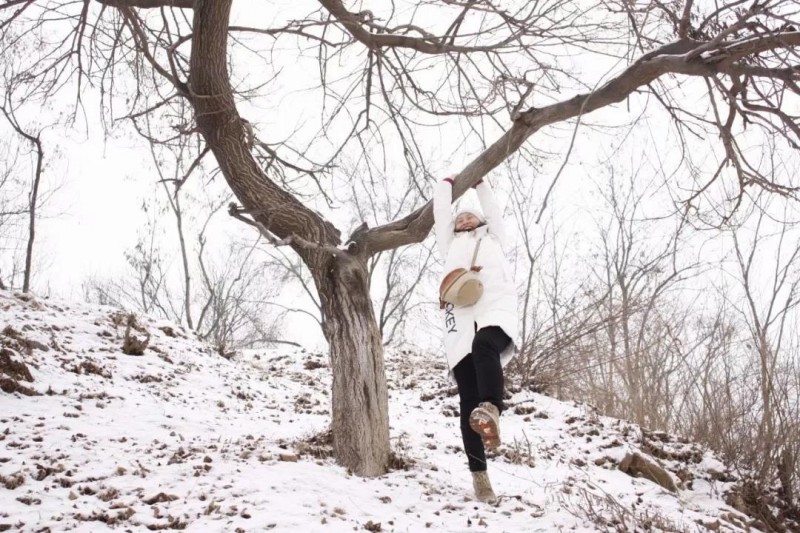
480 379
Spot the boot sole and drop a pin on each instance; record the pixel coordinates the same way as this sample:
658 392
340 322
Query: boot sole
483 425
490 499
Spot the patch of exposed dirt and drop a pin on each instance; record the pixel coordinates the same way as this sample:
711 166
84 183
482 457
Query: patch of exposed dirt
19 343
90 367
319 446
749 498
12 370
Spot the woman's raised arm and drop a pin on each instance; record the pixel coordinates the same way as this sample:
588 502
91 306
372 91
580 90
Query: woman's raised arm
443 222
494 217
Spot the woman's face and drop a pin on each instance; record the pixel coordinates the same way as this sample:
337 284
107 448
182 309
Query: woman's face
467 222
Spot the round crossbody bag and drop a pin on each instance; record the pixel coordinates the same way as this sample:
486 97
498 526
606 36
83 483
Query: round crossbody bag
462 286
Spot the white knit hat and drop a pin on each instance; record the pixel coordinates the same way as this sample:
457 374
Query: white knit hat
472 211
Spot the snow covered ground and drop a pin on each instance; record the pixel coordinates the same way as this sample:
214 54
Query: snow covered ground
181 438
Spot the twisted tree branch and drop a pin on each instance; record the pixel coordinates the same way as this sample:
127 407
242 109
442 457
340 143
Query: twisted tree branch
722 60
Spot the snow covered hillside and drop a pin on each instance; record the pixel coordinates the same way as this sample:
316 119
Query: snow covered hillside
94 439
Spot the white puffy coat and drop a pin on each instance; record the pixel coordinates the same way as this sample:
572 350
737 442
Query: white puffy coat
498 305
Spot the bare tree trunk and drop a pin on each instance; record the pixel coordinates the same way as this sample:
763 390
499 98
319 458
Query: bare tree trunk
765 427
632 377
34 198
360 400
175 204
187 287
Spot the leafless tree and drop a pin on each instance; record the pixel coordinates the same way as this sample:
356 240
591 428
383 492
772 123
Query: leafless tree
178 157
717 360
34 138
402 69
770 301
235 295
145 287
639 270
291 271
12 207
232 301
556 313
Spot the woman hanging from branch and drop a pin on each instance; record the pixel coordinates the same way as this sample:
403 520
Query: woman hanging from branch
479 305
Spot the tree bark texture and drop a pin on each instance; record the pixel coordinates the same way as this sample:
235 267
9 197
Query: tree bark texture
360 398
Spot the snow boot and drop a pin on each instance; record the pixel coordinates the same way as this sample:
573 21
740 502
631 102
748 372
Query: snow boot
483 487
485 421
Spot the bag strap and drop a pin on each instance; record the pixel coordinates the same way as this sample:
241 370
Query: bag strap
475 254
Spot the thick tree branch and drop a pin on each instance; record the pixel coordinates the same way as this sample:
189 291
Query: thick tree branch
224 131
12 3
416 226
